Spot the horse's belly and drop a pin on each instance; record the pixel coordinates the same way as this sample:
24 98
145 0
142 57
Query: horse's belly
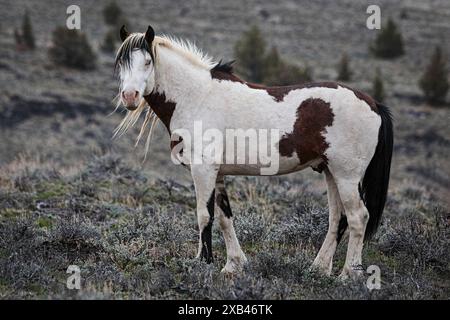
283 166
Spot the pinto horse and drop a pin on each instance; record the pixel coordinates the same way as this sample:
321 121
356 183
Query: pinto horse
326 126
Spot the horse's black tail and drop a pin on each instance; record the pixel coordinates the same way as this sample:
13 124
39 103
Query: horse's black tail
374 187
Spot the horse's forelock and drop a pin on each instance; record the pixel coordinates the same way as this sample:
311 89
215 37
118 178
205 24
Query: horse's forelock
133 42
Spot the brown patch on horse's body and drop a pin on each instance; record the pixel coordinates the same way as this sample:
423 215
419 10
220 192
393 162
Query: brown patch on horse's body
306 138
278 93
163 109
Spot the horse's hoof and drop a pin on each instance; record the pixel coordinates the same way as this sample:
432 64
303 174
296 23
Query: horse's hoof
316 267
350 274
231 268
343 277
235 265
226 271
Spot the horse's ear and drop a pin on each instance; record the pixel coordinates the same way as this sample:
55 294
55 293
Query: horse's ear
149 35
124 33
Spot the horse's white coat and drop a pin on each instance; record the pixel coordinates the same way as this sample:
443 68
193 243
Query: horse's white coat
222 104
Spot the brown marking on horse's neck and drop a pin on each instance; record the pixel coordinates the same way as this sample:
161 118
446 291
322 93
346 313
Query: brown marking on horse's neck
306 138
278 93
163 109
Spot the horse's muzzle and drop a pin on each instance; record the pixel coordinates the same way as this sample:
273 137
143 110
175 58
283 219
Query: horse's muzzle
130 99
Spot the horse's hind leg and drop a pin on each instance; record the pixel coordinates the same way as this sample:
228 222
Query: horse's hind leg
324 259
235 256
357 218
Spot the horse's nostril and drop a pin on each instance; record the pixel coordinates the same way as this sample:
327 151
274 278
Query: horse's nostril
123 94
136 93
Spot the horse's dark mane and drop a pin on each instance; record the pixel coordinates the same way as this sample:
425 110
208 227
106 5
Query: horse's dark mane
133 42
224 67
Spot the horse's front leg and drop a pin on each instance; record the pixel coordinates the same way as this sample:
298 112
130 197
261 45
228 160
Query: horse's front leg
204 177
235 256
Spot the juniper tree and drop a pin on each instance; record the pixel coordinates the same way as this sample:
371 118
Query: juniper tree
389 42
250 54
378 87
292 74
112 14
72 49
18 38
109 42
434 81
344 73
27 32
273 65
114 18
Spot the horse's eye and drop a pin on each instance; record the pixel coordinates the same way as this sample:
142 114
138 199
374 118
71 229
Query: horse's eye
147 62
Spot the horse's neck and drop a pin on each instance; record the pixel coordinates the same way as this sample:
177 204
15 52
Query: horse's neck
179 79
177 84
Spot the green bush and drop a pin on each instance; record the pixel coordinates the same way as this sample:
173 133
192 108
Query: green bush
272 65
344 73
114 19
378 87
270 68
27 32
289 74
434 81
389 42
71 48
277 72
18 38
24 37
112 14
109 42
249 52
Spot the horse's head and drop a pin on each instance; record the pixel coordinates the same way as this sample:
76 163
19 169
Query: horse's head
135 61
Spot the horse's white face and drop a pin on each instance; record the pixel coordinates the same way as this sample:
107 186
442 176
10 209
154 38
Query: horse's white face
138 79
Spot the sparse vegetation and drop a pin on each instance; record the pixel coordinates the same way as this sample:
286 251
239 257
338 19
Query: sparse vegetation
130 246
434 81
389 42
71 48
344 72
